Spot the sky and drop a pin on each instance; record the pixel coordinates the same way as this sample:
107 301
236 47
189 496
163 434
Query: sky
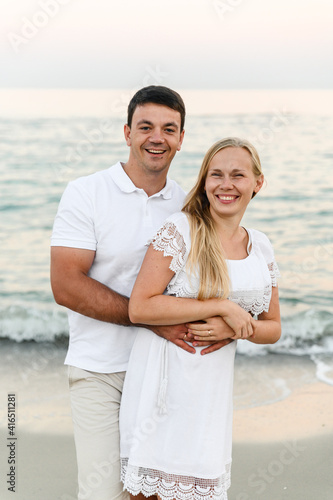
193 44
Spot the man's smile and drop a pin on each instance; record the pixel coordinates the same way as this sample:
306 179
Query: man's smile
155 151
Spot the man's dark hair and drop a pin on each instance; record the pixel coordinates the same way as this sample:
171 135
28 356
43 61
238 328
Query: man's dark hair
157 94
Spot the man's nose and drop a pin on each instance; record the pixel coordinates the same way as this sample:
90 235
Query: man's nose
156 135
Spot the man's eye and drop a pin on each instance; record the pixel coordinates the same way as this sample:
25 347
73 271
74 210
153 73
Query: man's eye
170 130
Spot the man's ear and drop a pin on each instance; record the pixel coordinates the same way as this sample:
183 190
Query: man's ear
127 134
181 140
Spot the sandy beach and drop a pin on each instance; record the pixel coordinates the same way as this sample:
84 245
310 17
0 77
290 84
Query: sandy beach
283 428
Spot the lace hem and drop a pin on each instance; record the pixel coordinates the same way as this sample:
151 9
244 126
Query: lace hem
253 301
169 486
169 241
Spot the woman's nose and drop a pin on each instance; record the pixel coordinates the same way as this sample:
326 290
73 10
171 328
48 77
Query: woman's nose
226 182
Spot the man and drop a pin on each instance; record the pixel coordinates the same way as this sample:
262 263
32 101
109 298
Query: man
98 243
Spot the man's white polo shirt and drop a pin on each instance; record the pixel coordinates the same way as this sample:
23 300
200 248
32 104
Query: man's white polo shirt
107 213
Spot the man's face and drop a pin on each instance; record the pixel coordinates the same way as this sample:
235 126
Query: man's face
154 137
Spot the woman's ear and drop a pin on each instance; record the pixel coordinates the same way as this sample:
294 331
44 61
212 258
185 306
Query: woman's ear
259 184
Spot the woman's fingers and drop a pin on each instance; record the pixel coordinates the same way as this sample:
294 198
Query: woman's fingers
238 326
244 333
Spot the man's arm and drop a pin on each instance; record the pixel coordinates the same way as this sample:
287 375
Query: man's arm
74 289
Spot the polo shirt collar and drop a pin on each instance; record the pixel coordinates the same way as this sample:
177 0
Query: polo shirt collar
124 183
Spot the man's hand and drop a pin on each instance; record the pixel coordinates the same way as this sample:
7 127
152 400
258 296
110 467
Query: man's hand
215 346
196 333
177 334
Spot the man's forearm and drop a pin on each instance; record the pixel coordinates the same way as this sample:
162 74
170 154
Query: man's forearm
95 300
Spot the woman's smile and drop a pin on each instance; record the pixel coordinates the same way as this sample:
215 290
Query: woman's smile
226 199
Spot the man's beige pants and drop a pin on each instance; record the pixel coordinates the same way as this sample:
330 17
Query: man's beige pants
95 401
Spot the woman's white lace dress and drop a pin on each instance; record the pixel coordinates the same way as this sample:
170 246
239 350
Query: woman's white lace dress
176 410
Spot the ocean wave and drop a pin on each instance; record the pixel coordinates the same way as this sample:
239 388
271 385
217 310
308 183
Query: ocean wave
20 323
308 333
305 333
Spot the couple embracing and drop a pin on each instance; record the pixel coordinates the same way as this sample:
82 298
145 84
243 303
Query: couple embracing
160 286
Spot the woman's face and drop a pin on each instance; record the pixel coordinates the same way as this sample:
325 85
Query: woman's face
230 182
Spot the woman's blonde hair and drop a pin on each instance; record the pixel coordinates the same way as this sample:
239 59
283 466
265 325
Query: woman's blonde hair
206 253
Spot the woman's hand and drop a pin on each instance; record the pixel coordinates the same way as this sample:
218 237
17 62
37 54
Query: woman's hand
216 328
212 330
240 321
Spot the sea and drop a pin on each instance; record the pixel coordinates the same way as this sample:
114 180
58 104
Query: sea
50 136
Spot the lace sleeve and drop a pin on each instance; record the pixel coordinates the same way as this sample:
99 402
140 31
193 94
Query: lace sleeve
264 246
274 272
169 241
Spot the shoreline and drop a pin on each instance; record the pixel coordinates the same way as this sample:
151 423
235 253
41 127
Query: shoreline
282 434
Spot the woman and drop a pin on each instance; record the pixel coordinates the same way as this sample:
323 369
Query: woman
176 411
